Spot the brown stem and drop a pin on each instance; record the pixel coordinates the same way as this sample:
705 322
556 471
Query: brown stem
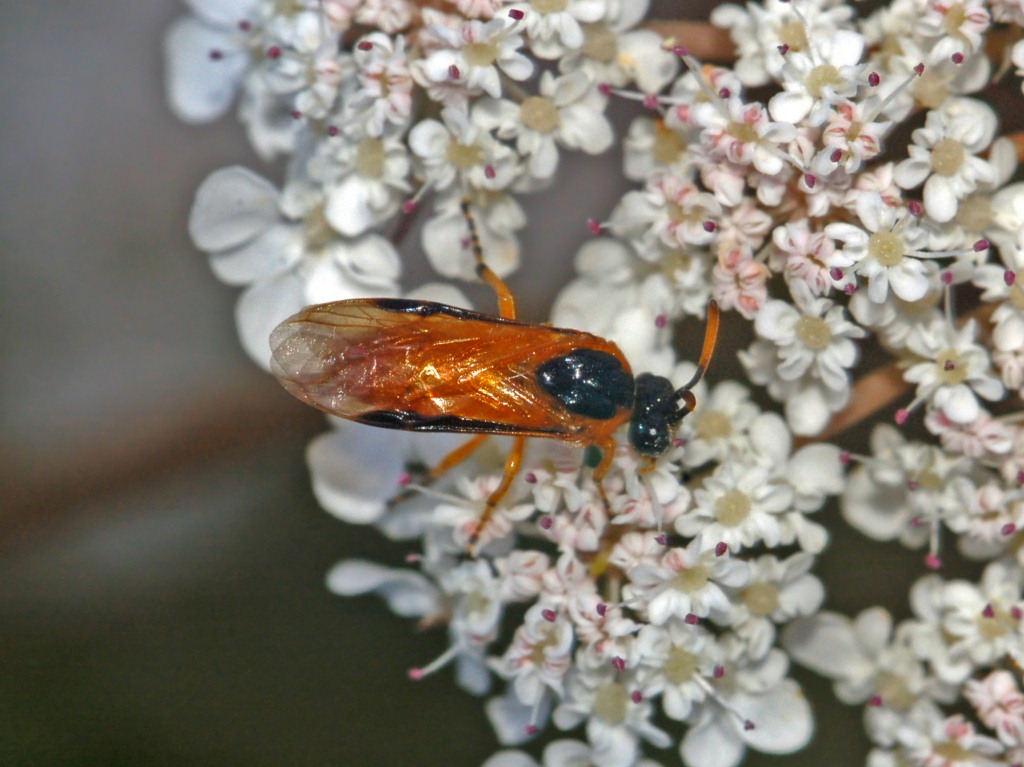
705 42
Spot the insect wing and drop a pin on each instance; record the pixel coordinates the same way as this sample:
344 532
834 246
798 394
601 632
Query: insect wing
423 366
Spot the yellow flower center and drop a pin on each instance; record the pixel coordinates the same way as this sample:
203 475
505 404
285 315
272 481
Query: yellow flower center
680 666
893 691
761 598
480 54
610 703
712 425
794 35
947 157
821 77
886 248
370 158
732 508
952 369
742 131
813 332
550 6
691 579
464 156
668 145
600 43
931 90
539 114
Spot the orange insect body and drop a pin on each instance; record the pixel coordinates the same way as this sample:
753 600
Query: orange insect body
423 366
429 367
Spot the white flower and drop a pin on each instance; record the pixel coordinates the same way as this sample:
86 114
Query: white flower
384 96
473 56
458 150
983 621
816 79
759 29
554 29
539 656
720 426
207 58
763 710
901 490
686 581
803 255
778 592
365 179
814 338
957 370
943 155
568 110
883 251
281 247
615 53
739 505
670 212
743 134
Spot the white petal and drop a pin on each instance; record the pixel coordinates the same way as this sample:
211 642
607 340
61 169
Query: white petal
261 308
790 107
817 469
770 437
408 594
509 718
826 644
907 282
807 411
277 249
958 403
782 719
348 209
372 259
940 199
912 172
356 470
510 758
874 509
199 87
232 206
713 742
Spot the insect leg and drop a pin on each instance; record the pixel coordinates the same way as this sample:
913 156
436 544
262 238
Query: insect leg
607 456
506 301
512 465
458 455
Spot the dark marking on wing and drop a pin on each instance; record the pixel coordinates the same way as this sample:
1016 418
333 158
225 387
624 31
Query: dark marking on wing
405 419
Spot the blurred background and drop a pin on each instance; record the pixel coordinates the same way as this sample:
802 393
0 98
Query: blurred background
161 555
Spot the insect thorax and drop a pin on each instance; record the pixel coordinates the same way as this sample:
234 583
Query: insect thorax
656 414
588 382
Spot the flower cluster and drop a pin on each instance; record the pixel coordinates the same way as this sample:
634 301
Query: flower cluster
647 610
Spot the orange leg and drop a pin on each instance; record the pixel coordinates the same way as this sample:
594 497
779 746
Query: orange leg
506 301
607 456
512 466
458 455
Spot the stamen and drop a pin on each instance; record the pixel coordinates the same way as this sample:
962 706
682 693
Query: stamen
712 693
438 663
